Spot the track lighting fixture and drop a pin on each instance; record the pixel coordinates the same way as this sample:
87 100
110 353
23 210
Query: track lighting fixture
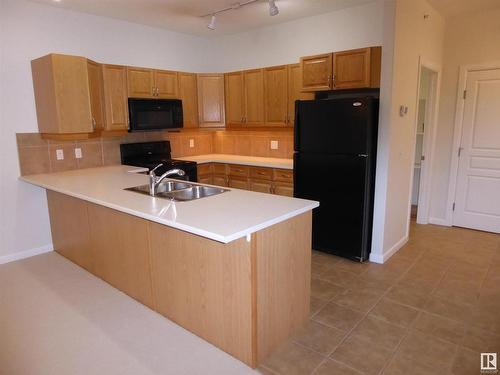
211 25
273 10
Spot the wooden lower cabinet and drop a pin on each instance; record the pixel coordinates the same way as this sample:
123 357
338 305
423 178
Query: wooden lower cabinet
261 186
245 297
238 183
259 179
219 180
285 189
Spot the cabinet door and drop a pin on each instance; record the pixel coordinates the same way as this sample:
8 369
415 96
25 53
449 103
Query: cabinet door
253 85
316 72
140 83
96 94
238 183
283 189
276 95
219 180
211 100
166 84
234 98
115 97
206 179
261 186
188 93
357 68
295 91
351 69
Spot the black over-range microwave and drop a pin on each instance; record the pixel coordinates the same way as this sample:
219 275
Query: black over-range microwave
154 114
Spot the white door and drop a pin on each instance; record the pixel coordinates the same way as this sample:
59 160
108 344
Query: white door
477 200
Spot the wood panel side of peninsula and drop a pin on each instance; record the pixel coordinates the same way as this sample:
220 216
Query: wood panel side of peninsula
244 297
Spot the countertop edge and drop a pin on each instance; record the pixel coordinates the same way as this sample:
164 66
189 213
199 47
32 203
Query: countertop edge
185 228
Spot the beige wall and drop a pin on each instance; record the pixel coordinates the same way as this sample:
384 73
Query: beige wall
415 37
469 39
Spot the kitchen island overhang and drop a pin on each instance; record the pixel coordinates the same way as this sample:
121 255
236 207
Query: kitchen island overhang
245 289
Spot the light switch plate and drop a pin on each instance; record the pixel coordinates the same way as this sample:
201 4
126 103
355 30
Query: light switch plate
78 153
191 143
274 145
59 154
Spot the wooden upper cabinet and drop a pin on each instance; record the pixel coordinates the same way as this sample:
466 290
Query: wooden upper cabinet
151 83
62 94
295 91
317 72
115 97
234 98
96 89
166 84
253 86
276 95
188 93
211 100
358 68
140 82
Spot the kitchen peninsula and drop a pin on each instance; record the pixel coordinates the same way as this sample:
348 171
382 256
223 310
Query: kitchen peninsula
232 268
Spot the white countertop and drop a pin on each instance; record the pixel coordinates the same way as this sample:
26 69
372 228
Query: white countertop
242 160
224 217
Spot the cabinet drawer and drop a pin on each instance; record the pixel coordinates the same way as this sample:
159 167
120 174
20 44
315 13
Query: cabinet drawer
283 189
283 175
238 170
261 186
218 168
219 180
261 173
204 169
238 183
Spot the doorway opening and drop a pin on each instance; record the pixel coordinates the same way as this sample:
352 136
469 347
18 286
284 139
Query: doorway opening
424 139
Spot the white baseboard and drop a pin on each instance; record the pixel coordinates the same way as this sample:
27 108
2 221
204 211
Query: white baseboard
382 258
26 254
438 221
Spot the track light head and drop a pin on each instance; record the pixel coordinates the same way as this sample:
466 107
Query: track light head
273 9
211 25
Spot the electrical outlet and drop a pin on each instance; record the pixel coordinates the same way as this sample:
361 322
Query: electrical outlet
191 143
59 154
274 145
78 153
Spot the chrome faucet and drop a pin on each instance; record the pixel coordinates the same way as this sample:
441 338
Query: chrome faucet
155 180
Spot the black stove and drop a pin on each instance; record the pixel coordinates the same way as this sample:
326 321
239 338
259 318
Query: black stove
150 154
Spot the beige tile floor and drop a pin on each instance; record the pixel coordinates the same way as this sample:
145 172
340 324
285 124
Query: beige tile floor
431 309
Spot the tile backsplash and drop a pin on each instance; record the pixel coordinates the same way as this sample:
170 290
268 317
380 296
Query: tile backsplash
37 155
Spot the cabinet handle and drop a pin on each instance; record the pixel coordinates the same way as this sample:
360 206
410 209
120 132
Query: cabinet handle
333 80
93 123
157 91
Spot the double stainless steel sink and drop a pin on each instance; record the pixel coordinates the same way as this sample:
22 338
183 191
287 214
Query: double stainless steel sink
179 191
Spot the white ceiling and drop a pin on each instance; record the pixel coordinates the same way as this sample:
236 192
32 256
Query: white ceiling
184 15
452 8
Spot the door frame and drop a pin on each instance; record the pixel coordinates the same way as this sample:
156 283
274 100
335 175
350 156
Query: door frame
432 112
457 132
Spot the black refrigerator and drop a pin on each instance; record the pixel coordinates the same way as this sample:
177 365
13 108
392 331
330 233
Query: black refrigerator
334 163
